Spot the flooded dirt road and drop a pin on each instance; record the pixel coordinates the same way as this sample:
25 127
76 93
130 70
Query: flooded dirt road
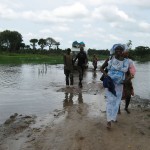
76 118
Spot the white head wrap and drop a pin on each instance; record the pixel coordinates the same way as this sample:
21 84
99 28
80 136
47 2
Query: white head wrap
124 47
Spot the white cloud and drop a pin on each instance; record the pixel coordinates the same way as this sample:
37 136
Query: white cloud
87 26
144 26
71 11
142 4
61 28
7 13
111 14
45 31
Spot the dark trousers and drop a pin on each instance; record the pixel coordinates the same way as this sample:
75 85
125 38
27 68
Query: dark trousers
81 71
69 77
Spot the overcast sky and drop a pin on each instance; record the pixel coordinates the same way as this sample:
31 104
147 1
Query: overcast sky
98 23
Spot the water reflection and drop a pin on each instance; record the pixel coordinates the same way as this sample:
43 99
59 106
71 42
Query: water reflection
68 101
42 70
27 88
94 75
80 98
73 107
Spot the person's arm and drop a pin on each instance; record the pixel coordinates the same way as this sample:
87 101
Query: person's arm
75 58
125 66
105 64
64 60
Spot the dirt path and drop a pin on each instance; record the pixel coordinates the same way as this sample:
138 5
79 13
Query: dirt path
80 126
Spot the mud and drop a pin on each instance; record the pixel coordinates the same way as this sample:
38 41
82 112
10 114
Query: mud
80 125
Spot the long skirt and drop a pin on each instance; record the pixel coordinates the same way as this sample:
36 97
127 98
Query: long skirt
113 102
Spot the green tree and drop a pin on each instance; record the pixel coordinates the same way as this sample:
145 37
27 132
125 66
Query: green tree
33 43
10 40
142 51
22 45
50 42
42 43
27 46
57 45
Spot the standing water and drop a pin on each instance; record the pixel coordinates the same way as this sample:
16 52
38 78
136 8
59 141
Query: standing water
31 89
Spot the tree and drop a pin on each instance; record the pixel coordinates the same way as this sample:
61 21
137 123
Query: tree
27 46
50 42
33 43
22 45
10 40
142 51
42 43
57 45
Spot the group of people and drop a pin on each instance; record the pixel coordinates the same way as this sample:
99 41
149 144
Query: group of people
118 71
69 65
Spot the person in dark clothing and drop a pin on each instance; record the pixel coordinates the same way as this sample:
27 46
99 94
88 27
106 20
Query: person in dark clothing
94 62
82 61
68 67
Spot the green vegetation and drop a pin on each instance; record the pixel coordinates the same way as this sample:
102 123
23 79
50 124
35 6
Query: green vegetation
14 51
50 57
13 58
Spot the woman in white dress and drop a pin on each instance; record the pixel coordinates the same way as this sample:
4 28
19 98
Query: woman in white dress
117 67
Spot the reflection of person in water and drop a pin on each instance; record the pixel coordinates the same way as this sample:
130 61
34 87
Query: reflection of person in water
94 75
68 101
80 98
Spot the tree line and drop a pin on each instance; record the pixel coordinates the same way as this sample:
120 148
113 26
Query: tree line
12 41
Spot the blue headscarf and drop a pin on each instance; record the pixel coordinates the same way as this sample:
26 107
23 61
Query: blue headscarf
112 50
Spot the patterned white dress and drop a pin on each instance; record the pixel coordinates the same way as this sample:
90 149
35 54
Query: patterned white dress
116 70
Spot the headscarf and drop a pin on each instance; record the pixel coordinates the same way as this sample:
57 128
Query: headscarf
124 47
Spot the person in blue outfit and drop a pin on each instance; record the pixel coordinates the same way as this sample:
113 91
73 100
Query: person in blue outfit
117 66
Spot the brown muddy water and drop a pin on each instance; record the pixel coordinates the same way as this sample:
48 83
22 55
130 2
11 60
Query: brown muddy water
40 89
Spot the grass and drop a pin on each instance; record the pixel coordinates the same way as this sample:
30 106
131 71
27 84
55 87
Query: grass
30 59
15 58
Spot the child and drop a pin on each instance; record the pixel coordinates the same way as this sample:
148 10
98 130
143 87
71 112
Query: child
128 90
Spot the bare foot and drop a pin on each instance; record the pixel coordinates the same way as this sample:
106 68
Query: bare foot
109 125
119 112
115 121
126 109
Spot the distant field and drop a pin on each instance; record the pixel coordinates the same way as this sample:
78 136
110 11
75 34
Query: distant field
13 58
30 59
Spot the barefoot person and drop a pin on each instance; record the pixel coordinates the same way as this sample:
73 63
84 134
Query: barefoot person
128 90
117 67
68 67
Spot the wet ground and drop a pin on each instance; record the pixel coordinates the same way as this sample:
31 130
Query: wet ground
68 118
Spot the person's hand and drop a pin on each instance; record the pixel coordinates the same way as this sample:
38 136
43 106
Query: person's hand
105 74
